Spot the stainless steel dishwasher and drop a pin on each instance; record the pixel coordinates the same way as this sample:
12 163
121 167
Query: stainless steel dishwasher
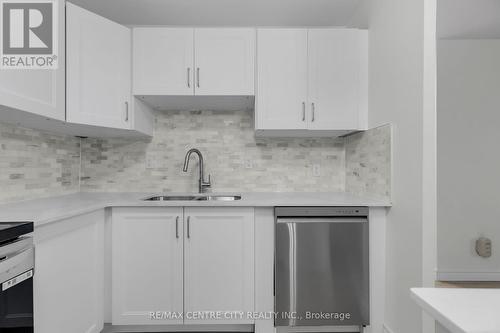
322 266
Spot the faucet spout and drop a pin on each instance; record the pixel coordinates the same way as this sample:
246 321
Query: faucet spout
202 183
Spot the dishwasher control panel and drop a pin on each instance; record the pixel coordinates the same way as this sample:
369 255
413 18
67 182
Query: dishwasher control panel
321 211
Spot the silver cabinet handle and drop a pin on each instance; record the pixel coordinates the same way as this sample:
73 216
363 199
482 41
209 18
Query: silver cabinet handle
189 77
303 111
177 227
188 227
198 77
313 108
126 111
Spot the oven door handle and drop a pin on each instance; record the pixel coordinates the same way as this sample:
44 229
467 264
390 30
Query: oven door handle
17 263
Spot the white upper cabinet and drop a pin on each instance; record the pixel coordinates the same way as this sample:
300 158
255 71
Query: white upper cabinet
188 62
334 79
282 79
311 81
39 92
225 61
163 61
98 70
90 93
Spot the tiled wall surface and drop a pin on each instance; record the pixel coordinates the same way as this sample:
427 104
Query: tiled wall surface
236 160
36 164
368 162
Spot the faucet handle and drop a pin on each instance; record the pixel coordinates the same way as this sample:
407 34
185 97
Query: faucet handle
209 182
206 184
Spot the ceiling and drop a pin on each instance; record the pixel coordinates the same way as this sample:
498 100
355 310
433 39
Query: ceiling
468 19
351 13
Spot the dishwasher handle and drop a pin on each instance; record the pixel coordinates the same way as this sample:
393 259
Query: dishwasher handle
322 219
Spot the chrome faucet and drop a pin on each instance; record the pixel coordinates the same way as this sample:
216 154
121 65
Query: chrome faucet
202 185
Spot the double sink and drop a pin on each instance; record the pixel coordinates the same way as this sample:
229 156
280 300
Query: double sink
200 197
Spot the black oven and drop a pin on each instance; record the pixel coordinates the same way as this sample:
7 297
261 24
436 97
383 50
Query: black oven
17 258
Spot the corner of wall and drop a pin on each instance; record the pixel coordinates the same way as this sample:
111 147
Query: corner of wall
368 162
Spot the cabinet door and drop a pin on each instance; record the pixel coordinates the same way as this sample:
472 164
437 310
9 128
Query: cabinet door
225 61
219 262
98 70
147 265
69 275
282 79
334 79
39 92
163 61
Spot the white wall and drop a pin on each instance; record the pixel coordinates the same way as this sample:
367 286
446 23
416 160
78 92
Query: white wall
396 95
469 158
429 211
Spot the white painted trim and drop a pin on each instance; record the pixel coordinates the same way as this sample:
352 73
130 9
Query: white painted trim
80 142
429 156
377 246
387 329
264 267
363 81
468 276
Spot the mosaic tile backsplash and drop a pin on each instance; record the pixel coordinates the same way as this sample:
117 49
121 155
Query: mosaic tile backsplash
368 162
36 164
236 160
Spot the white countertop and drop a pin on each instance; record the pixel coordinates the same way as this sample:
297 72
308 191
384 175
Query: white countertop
47 210
462 310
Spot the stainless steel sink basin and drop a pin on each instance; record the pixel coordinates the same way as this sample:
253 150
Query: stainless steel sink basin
219 198
194 198
171 198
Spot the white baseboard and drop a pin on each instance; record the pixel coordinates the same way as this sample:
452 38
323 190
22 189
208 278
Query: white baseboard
467 276
318 329
108 328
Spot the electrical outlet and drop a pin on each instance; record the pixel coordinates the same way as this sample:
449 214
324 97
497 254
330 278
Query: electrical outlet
483 247
149 162
248 164
316 170
152 162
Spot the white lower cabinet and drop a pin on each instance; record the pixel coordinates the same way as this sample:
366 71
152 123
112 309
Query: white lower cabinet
194 260
219 264
441 329
68 280
147 265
